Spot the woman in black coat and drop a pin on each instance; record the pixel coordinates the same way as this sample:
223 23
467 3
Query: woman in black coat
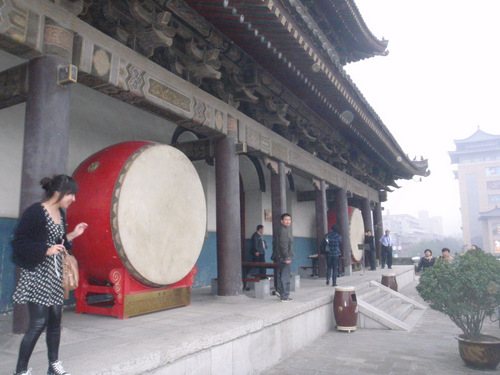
427 261
39 241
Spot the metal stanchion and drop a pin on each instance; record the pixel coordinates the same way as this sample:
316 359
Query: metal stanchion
363 247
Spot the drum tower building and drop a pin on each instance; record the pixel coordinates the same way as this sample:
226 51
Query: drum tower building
253 92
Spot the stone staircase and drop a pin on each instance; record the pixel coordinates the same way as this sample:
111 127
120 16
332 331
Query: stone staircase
380 307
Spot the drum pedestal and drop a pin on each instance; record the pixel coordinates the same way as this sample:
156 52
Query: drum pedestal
389 280
345 308
125 297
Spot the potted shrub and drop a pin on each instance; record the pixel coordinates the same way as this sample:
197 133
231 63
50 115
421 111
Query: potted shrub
467 289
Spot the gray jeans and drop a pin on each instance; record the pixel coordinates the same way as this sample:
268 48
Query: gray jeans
283 280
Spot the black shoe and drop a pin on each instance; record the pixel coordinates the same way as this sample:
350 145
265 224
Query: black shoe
56 368
383 267
390 268
287 300
277 294
334 284
327 282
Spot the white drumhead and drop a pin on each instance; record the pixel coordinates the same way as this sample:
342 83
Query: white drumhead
160 216
356 233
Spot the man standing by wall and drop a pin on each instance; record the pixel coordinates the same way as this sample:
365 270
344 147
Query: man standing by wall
259 247
386 253
283 254
370 241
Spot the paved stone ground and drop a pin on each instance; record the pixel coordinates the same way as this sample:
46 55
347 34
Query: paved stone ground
431 348
94 344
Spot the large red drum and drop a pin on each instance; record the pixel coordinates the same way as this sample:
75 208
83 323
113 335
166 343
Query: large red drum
356 230
146 210
345 308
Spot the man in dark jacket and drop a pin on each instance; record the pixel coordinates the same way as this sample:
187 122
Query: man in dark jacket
370 253
330 246
283 254
258 248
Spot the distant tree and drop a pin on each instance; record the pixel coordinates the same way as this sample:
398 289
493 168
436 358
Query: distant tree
451 243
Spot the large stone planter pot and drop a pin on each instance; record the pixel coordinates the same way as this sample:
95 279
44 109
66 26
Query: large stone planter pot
482 352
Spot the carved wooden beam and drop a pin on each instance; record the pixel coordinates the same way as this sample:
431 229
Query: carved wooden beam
244 94
272 165
275 118
73 6
317 184
151 38
310 195
201 149
13 86
106 65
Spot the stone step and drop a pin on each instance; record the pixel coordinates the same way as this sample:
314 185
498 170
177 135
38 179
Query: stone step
390 305
372 317
413 318
362 287
377 298
367 292
402 311
381 307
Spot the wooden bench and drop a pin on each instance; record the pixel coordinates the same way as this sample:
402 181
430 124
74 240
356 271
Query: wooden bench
247 266
262 275
250 280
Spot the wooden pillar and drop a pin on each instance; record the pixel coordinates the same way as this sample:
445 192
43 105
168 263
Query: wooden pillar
228 218
46 128
46 139
379 227
321 222
341 210
278 193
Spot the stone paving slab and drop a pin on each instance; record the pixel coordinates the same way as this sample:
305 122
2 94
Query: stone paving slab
94 344
430 348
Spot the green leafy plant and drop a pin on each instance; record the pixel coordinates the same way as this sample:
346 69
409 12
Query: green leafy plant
466 289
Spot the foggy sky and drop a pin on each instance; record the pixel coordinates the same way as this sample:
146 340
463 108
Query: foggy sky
439 83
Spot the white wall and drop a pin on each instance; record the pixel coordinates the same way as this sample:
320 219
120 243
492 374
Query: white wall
11 152
303 213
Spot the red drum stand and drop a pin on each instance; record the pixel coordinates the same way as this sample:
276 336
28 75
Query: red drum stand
345 308
389 280
124 297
